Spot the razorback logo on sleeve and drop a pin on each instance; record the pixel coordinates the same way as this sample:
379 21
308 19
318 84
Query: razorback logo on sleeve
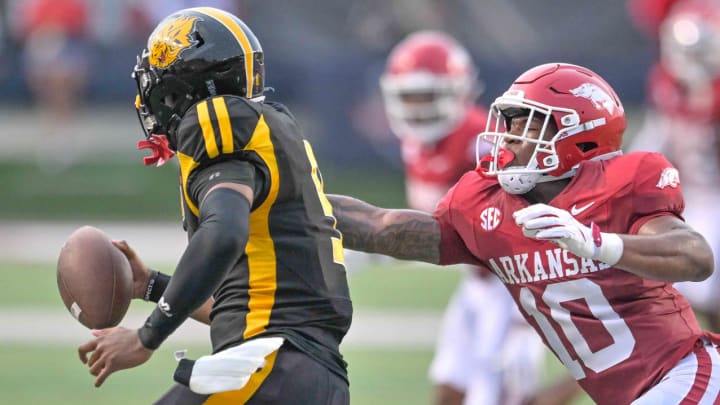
669 177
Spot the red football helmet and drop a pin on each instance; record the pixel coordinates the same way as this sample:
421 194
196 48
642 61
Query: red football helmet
588 115
690 41
428 85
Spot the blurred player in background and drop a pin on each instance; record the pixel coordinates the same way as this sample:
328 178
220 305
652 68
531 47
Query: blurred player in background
648 15
486 354
683 122
261 236
586 239
56 48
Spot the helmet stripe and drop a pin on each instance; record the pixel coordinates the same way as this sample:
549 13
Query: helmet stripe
238 31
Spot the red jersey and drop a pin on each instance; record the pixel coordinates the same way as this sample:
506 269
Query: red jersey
430 170
648 15
687 127
617 333
68 16
671 98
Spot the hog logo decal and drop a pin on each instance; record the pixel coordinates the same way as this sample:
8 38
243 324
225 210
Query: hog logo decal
599 97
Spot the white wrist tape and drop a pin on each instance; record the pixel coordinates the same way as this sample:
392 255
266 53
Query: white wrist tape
610 249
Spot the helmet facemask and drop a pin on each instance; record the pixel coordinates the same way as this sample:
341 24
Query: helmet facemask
163 98
544 160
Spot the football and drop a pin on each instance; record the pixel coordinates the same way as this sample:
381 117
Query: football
94 278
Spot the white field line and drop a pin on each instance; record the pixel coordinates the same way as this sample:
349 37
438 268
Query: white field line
394 329
27 241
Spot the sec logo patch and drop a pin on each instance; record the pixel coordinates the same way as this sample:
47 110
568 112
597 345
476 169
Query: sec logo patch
490 218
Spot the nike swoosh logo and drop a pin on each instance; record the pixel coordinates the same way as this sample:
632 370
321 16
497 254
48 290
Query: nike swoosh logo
574 210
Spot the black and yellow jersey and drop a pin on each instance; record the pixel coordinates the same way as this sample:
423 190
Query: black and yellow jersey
291 280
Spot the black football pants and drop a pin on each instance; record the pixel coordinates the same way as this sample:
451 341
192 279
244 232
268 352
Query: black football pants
295 378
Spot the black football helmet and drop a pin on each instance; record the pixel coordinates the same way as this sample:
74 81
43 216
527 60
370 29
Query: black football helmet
191 55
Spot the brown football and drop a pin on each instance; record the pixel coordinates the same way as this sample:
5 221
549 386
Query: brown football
94 278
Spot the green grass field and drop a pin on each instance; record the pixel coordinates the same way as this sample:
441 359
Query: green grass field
52 373
395 285
111 190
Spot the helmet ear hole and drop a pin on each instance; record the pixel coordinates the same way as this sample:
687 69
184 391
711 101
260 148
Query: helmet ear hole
550 161
587 146
170 100
226 67
199 41
570 120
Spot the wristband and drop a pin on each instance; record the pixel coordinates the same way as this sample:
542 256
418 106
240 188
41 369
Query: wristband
156 286
610 249
183 372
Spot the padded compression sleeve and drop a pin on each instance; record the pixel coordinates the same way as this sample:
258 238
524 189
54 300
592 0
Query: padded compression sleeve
213 250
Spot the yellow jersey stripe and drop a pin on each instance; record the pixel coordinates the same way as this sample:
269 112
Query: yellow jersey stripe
326 206
226 135
187 165
207 130
337 245
338 251
260 249
241 396
229 22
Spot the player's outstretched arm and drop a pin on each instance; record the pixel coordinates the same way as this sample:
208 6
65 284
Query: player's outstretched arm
400 233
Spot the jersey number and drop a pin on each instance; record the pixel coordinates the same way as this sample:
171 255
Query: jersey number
337 247
597 361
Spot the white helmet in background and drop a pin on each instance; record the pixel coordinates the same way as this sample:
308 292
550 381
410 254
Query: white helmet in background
428 85
690 41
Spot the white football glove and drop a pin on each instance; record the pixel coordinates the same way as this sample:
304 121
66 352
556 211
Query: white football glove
543 222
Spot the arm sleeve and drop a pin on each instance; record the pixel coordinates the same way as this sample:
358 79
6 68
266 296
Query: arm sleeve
215 247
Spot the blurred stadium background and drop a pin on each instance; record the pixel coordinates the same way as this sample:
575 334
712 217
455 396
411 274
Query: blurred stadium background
67 158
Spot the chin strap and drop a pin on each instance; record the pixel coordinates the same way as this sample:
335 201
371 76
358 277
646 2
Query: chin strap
160 147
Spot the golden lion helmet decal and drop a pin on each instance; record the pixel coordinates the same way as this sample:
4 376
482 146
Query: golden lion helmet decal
170 39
